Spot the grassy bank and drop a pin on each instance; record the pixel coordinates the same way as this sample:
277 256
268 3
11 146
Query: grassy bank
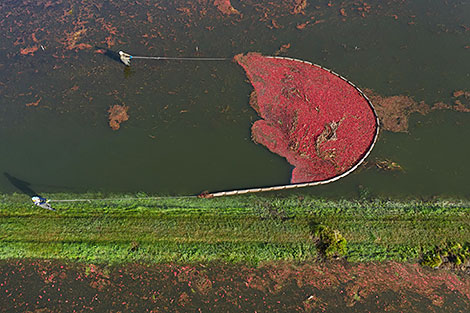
248 229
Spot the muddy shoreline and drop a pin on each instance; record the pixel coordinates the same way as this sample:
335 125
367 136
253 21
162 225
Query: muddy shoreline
50 286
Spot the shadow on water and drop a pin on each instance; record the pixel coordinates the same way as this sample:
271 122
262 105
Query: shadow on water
113 55
21 185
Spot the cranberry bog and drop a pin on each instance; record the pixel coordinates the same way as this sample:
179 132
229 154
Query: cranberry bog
182 128
75 123
318 120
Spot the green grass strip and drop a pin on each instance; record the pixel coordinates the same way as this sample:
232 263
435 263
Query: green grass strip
248 229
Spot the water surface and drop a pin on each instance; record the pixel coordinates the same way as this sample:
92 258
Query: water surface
189 126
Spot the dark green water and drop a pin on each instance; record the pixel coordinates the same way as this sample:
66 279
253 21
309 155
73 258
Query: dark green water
189 126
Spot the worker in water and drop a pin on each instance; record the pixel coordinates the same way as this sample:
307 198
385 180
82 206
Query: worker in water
125 58
42 202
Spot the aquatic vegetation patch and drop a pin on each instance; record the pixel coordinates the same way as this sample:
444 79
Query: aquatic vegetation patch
225 7
394 111
117 115
388 165
461 102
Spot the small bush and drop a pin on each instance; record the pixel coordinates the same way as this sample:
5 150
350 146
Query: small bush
432 259
452 253
330 242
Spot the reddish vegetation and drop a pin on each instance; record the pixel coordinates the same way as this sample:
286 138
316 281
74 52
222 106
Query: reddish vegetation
42 286
320 123
82 46
299 6
71 40
459 93
282 49
460 107
363 8
302 26
462 93
29 50
225 7
462 104
117 115
34 103
34 38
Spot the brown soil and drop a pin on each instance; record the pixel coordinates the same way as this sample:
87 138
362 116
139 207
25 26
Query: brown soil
117 115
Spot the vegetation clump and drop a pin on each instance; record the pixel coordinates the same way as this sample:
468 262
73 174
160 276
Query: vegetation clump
432 259
388 165
330 242
450 255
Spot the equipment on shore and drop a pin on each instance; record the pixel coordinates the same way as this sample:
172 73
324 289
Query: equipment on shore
126 58
42 202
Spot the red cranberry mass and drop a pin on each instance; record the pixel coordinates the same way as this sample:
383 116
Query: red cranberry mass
318 121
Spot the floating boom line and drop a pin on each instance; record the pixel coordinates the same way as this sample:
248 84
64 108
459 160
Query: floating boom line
314 183
126 58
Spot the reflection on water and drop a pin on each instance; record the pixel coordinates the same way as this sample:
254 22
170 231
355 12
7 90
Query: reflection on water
189 122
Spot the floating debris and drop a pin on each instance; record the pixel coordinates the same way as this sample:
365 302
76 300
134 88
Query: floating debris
388 165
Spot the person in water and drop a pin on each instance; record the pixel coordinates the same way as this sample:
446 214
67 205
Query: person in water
42 202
